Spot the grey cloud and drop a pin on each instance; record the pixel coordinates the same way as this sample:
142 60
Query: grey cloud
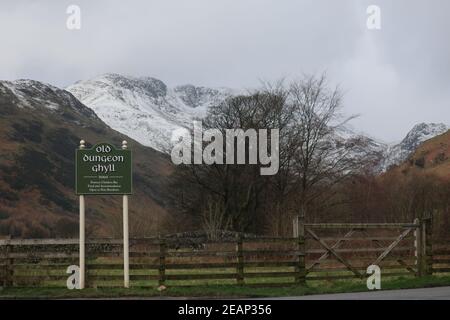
394 77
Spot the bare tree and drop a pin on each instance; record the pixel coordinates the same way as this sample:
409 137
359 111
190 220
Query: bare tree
318 156
215 219
239 187
312 156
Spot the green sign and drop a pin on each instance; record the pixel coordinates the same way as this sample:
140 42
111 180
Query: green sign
103 170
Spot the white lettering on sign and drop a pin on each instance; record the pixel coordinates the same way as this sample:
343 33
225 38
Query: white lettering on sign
88 158
103 149
104 168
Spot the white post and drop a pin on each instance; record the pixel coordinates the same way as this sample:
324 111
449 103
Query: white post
82 233
295 227
126 255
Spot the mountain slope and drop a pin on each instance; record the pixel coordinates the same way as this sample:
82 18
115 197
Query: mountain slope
40 128
148 111
432 156
145 109
398 153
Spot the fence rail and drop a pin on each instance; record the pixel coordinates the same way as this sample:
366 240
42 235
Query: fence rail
312 254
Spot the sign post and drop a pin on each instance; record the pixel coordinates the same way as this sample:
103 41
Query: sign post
126 254
104 170
82 233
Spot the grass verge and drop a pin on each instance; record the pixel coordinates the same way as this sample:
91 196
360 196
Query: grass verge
223 291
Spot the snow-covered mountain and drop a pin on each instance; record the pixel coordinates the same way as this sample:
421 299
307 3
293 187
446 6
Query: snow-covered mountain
145 108
40 129
35 95
421 132
365 150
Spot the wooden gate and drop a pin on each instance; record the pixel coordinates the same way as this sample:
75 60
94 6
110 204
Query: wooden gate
339 251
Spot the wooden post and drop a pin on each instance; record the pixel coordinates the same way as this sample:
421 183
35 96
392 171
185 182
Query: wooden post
240 260
428 245
301 248
418 247
126 246
9 270
4 270
162 261
82 234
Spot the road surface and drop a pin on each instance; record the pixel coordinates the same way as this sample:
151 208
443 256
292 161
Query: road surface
441 293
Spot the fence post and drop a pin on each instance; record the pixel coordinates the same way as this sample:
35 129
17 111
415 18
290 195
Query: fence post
428 245
3 270
295 227
162 261
9 269
240 260
300 268
418 247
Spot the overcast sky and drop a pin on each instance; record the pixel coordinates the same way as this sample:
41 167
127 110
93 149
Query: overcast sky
394 77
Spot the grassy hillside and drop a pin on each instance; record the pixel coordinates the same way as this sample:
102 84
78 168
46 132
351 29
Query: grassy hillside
40 128
431 157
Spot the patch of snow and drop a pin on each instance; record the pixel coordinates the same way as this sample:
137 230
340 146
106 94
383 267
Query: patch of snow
31 93
148 111
397 153
144 108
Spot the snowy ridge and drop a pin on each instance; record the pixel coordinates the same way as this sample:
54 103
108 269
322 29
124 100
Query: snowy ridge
144 108
32 94
421 132
37 95
147 110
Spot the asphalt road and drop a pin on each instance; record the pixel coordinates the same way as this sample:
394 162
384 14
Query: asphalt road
441 293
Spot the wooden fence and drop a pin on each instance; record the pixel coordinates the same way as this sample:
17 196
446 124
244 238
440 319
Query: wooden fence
441 256
317 252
